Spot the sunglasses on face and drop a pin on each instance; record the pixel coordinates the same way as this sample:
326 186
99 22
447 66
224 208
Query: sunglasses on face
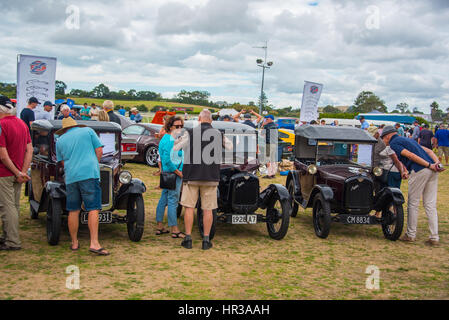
180 126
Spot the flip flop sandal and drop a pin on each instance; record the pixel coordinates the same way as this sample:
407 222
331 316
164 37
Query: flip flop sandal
75 249
100 252
160 232
175 235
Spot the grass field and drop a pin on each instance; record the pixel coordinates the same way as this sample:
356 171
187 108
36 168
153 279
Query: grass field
244 263
132 103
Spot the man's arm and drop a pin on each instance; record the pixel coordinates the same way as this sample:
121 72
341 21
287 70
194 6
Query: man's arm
419 160
28 158
259 117
182 142
431 154
6 160
237 116
99 153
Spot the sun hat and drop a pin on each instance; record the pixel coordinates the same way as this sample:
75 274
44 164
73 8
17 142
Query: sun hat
372 130
270 117
388 130
134 109
68 123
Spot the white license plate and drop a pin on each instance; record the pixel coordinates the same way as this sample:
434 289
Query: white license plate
103 217
244 219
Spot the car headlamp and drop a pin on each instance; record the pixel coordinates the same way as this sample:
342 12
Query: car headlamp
312 169
125 177
377 171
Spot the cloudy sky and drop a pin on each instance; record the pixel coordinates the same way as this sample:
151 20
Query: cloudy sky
398 49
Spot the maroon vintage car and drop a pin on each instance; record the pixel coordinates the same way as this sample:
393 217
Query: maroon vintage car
147 141
334 175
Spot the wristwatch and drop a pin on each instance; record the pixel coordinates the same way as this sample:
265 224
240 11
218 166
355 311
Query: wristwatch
428 167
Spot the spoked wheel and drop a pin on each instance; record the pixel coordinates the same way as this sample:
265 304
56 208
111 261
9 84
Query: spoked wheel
54 216
291 191
321 216
200 222
151 156
135 217
33 213
392 221
278 218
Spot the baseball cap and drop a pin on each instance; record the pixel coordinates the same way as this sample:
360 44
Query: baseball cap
33 100
388 130
247 116
48 103
5 102
270 117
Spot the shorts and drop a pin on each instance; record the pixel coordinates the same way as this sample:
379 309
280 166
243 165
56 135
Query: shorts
87 192
443 151
208 196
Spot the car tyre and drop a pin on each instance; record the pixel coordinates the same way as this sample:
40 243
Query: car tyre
33 213
294 204
151 156
394 230
54 217
321 216
135 217
199 212
278 218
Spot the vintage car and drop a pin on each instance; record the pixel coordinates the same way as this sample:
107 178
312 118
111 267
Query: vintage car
47 192
239 195
145 135
334 176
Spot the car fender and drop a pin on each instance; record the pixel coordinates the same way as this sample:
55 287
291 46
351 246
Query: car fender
325 191
270 193
136 186
294 175
386 195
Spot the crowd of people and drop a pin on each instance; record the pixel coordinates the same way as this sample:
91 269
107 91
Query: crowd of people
79 151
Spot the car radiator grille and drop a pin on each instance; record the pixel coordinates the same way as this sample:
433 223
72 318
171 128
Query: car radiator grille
245 192
358 194
106 187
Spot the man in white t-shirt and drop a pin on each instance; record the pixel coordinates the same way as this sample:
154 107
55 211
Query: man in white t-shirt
247 118
46 113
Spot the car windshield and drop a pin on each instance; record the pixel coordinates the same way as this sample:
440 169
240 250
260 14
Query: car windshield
334 153
244 148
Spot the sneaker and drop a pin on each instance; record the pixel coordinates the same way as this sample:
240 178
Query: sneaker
432 243
4 247
207 245
266 177
2 240
187 243
406 238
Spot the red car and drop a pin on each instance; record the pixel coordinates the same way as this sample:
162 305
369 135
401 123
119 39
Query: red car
147 141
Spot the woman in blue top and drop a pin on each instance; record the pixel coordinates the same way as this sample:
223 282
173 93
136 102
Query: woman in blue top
172 161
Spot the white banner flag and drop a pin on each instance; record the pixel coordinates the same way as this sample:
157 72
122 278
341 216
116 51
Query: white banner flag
310 99
36 77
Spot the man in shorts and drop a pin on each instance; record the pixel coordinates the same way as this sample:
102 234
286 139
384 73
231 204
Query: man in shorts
442 141
80 150
200 176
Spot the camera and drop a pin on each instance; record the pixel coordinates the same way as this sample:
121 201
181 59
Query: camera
440 166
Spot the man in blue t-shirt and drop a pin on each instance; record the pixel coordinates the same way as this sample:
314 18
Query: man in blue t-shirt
122 111
79 150
422 164
363 123
27 114
442 141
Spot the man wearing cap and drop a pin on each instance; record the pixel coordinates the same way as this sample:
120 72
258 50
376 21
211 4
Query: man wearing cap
79 150
422 164
271 140
27 114
364 124
46 114
247 118
16 152
416 131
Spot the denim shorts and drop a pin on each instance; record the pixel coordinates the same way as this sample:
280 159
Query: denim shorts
87 191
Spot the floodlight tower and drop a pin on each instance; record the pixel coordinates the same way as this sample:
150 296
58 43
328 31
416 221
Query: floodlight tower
264 65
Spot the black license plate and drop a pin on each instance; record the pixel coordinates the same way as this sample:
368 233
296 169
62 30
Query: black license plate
103 217
353 219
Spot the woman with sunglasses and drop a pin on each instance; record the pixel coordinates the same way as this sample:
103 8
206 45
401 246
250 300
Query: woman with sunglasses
171 161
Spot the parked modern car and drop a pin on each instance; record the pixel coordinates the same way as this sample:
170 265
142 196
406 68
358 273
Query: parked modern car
334 175
287 135
147 141
239 195
286 123
47 190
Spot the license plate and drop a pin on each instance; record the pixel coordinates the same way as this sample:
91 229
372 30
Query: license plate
103 217
357 220
244 219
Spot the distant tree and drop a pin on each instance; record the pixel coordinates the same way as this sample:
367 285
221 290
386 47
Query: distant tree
436 113
60 87
251 103
101 91
395 111
402 107
367 101
331 109
264 100
416 111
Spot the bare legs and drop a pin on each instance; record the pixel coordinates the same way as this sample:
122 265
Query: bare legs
93 223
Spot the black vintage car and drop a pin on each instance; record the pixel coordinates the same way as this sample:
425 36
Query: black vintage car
239 195
334 176
47 192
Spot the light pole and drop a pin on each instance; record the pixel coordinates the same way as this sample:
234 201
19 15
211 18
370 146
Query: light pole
264 65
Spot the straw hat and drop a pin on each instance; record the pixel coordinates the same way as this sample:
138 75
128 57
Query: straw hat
68 123
134 110
372 130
